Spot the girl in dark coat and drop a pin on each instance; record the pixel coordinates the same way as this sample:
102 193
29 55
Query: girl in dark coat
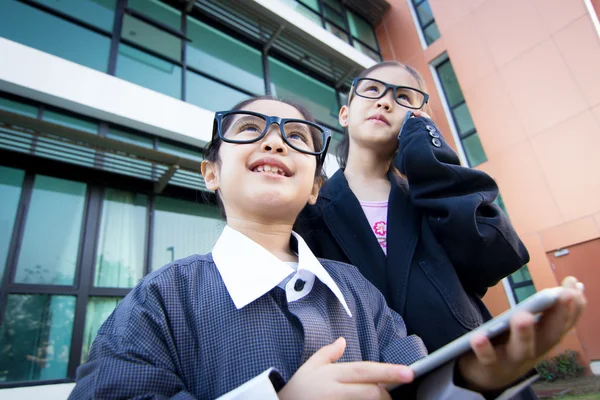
418 225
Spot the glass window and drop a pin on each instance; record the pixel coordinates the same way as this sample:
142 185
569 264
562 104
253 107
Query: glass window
210 94
98 310
474 150
183 228
524 292
424 13
158 11
70 121
145 70
62 151
11 181
312 15
130 137
125 165
185 152
223 57
35 337
464 123
500 203
335 4
450 84
367 51
334 17
18 108
49 250
122 238
337 32
522 275
31 27
313 4
361 30
150 37
99 13
431 33
289 83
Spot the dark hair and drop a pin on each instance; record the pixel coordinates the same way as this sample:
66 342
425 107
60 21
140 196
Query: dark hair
344 146
211 150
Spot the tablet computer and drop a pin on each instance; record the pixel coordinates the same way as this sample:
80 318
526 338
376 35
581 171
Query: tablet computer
535 304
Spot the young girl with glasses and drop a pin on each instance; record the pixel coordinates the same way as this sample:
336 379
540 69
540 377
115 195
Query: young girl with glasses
418 225
261 317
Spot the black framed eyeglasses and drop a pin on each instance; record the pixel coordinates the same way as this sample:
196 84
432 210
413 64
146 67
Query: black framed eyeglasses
405 96
248 127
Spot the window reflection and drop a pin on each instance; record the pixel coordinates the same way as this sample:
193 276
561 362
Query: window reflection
35 337
31 27
48 254
98 310
11 181
183 228
120 260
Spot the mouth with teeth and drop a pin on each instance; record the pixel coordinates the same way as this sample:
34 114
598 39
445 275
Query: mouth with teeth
270 166
269 169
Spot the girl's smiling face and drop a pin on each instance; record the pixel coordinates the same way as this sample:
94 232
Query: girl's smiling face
375 123
265 180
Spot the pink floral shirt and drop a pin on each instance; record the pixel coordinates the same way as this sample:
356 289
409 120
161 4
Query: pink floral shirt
376 213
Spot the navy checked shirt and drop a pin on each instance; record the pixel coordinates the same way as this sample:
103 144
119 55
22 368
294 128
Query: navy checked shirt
178 333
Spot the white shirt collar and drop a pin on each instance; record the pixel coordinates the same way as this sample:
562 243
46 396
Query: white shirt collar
249 270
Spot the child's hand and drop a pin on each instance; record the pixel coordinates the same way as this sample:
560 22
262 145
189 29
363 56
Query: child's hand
321 378
419 113
490 367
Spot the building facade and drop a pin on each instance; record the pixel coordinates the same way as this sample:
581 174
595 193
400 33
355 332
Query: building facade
105 106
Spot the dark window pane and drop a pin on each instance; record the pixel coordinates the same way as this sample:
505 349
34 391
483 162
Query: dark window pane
334 17
122 238
464 123
450 84
183 228
158 11
151 38
522 275
335 4
474 150
223 57
287 82
18 108
35 337
149 71
98 310
11 181
210 94
524 292
424 13
362 30
31 27
129 137
99 13
337 32
48 254
431 33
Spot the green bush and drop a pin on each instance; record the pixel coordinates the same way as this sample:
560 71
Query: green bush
563 366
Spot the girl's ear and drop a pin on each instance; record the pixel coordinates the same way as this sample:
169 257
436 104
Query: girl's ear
314 194
343 117
211 175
